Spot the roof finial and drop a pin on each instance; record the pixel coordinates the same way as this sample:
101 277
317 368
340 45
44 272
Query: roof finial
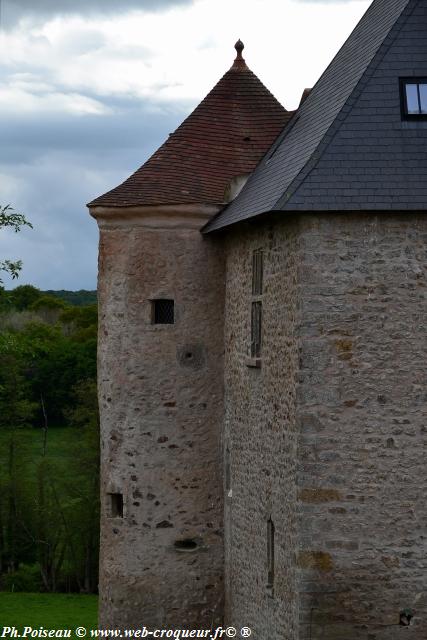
239 62
239 46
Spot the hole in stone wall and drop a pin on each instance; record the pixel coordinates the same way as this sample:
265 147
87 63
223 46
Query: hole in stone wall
405 617
191 356
187 544
116 505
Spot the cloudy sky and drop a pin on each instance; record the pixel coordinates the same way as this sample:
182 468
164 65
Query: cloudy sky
90 88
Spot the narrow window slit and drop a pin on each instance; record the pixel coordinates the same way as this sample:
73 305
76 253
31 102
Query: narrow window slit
228 473
256 329
256 308
270 556
257 272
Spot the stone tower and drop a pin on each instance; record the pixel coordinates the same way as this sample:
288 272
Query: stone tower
161 297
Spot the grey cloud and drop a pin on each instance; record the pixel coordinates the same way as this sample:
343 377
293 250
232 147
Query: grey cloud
14 10
62 245
132 129
51 165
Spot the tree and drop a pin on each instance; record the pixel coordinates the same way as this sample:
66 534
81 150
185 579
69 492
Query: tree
84 517
9 218
49 482
17 408
24 296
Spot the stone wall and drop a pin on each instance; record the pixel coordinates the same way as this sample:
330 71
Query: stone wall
329 436
161 414
260 433
362 475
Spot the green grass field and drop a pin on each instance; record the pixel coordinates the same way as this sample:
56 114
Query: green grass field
29 451
51 611
30 446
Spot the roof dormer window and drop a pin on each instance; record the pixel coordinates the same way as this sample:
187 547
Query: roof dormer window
414 97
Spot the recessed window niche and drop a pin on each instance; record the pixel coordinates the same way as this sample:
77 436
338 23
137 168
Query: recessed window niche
115 505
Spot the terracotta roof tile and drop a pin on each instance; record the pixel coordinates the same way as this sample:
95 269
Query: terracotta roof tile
225 136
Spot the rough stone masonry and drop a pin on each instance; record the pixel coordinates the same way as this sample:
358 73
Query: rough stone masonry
328 437
161 411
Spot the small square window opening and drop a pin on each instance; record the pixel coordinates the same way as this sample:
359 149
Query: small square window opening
163 311
116 505
228 472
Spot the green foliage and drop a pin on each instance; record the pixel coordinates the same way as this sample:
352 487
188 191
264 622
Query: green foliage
17 406
42 360
4 300
81 317
24 296
47 302
27 578
49 505
9 218
75 298
48 308
53 484
85 414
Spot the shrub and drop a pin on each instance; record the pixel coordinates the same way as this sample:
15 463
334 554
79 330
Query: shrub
27 578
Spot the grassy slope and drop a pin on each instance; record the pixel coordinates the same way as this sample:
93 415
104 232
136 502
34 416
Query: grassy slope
51 611
29 451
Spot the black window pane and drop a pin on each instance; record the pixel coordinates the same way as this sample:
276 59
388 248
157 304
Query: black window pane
256 329
412 103
116 505
270 553
423 97
164 312
257 272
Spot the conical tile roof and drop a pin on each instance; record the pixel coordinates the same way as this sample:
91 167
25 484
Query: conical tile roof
225 136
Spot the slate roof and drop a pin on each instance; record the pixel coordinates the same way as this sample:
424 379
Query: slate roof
347 148
225 136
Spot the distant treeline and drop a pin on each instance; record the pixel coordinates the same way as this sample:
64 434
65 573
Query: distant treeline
77 298
49 432
24 296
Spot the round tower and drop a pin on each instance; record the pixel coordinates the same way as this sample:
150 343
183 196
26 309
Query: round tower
161 299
